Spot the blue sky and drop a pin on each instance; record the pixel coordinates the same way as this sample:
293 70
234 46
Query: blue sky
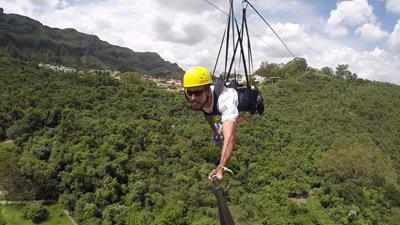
363 34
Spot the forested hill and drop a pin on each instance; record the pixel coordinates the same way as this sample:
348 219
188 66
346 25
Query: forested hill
27 39
326 151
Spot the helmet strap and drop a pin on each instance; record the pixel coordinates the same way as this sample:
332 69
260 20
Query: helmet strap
207 99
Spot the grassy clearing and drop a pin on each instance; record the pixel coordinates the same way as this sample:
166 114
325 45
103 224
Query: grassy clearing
7 144
13 215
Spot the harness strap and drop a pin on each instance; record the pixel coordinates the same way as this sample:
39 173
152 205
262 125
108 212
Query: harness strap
244 118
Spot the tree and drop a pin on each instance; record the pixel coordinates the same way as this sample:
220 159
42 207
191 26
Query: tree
39 175
172 214
31 122
352 161
131 77
395 216
2 133
296 66
327 70
12 50
10 174
67 201
42 152
342 71
115 214
268 69
35 212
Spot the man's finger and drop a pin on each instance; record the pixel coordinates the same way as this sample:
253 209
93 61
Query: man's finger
211 174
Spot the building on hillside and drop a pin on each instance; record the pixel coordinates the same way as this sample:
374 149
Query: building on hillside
256 78
112 73
259 79
169 84
271 80
66 69
63 69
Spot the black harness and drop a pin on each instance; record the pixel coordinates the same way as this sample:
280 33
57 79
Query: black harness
247 101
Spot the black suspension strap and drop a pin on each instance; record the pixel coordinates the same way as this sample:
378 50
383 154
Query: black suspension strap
227 34
219 53
246 72
227 31
239 42
249 52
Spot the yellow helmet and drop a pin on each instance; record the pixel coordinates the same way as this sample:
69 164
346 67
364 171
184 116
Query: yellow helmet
196 76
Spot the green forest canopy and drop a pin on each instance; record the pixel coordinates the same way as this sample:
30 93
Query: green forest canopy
126 152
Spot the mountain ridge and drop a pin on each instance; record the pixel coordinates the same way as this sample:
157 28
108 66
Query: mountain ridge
27 39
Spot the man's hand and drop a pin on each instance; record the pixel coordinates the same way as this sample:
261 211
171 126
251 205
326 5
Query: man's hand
217 172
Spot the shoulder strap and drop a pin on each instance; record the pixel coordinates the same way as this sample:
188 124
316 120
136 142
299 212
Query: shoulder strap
214 110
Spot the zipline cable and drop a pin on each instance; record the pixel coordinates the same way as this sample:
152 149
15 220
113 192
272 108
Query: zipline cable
216 7
251 32
270 28
255 35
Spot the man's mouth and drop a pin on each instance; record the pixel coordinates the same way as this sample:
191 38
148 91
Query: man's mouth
195 104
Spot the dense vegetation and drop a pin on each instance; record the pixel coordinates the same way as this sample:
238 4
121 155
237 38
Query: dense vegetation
27 39
125 152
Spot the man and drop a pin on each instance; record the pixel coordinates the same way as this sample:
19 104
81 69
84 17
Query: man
217 100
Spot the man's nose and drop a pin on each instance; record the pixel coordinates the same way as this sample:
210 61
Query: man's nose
192 97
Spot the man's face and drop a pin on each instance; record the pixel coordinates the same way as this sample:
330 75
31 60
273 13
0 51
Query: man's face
197 96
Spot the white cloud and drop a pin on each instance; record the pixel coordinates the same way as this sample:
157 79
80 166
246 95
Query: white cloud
393 6
377 64
31 7
350 13
394 38
289 31
184 6
44 2
278 6
201 57
182 29
294 35
336 31
371 32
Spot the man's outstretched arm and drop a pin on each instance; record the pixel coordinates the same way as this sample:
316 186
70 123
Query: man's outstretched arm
228 128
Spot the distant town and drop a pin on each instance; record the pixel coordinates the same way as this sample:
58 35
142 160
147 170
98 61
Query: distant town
169 84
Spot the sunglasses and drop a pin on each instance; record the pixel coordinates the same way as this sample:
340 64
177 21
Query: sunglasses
190 93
